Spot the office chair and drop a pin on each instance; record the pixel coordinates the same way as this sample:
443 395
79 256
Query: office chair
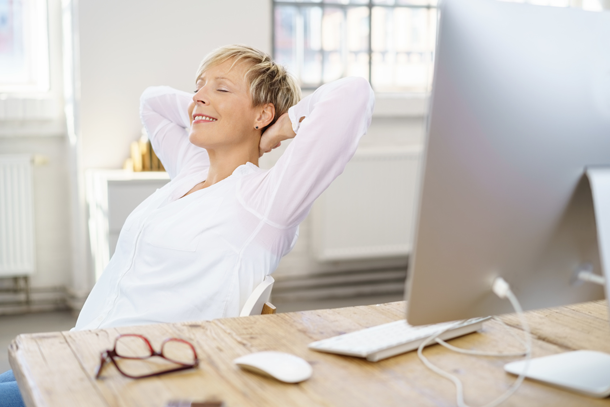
258 302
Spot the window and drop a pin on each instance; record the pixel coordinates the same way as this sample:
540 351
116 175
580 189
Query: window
589 5
389 42
24 51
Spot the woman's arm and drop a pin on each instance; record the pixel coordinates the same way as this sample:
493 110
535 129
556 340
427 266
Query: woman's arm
336 116
164 112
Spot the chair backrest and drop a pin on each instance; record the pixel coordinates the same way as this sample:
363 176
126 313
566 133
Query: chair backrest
257 303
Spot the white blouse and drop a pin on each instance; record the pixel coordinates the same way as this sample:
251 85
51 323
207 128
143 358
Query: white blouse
200 257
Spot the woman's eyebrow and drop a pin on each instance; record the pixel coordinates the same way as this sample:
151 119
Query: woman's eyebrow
223 78
217 78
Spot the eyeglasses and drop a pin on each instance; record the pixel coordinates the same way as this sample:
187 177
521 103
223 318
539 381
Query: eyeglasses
131 347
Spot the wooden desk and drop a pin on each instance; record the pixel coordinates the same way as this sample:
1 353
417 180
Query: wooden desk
56 369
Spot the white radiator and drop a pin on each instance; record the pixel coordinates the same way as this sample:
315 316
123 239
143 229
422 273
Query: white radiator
17 257
368 212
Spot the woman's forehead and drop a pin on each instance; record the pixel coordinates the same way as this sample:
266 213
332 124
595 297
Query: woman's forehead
227 70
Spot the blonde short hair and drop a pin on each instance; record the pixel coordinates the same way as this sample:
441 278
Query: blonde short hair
269 82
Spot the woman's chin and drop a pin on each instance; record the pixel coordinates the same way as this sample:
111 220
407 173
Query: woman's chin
198 140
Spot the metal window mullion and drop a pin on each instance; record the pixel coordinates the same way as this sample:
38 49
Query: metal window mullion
341 5
300 43
323 7
391 44
344 47
370 5
273 53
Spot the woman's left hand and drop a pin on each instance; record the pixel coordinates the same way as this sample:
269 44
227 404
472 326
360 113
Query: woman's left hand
272 138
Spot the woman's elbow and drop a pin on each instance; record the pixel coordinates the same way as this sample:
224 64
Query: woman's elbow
361 93
151 92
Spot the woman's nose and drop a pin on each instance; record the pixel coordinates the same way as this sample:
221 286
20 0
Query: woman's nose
201 97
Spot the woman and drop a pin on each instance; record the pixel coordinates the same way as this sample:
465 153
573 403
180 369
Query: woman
197 248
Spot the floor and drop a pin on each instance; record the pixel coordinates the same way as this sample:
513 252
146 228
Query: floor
13 325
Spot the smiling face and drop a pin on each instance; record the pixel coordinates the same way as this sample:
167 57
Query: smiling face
222 115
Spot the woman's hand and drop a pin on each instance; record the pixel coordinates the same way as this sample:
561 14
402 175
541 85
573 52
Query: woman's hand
280 130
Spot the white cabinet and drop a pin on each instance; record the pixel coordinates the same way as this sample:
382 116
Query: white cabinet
111 196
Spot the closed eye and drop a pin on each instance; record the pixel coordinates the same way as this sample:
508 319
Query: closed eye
222 90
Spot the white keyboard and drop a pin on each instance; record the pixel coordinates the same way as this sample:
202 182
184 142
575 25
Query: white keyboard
387 340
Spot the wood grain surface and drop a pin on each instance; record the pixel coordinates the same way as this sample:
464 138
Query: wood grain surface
57 368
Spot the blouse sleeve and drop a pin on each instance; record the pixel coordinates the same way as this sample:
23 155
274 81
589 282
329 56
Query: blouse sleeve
336 116
164 114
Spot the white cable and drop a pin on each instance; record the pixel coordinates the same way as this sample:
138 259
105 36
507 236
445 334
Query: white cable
591 277
502 290
479 353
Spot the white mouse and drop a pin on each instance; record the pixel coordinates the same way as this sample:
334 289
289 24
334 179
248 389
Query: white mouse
279 365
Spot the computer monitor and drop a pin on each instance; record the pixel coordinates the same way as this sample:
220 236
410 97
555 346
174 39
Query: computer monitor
520 108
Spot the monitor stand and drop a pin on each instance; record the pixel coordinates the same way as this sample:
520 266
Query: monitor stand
599 180
582 371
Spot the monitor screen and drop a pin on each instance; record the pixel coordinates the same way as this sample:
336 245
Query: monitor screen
520 108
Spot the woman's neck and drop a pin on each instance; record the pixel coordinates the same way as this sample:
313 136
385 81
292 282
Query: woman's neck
225 160
223 163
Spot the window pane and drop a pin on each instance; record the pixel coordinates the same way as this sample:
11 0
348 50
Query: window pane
386 2
345 42
416 2
347 1
403 46
333 26
23 46
358 42
298 42
358 29
12 51
593 5
554 3
311 66
285 37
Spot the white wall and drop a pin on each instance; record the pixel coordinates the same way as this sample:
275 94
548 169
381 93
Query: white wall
50 182
51 207
387 129
126 46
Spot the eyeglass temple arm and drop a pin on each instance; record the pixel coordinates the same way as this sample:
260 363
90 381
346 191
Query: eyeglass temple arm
104 358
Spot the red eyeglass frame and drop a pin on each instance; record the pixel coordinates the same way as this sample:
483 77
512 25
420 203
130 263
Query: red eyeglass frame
111 354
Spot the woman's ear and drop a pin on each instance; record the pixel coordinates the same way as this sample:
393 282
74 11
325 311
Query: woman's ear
265 116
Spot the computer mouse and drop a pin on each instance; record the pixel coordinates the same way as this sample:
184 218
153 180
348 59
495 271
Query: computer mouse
279 365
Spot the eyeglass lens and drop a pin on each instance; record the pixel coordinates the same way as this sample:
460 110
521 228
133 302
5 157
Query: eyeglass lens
135 352
129 346
178 351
